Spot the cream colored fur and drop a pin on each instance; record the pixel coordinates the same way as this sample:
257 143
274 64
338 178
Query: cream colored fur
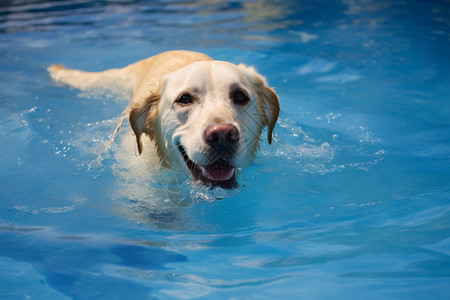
157 82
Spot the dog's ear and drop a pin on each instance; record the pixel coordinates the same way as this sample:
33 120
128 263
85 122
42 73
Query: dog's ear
267 101
143 116
269 104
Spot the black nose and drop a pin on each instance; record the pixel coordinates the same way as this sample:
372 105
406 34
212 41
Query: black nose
221 137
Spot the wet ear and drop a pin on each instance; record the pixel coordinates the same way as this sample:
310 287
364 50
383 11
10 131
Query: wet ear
267 101
270 106
142 117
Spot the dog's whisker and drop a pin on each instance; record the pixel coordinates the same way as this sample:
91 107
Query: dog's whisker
167 154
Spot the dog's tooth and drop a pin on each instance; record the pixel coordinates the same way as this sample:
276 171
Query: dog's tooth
205 174
231 174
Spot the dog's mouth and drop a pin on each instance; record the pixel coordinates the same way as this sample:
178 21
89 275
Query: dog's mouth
219 173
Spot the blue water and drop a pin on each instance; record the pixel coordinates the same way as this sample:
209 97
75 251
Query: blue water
351 201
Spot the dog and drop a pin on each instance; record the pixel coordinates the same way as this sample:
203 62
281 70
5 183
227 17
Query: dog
203 116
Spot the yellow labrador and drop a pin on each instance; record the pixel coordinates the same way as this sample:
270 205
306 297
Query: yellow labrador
203 116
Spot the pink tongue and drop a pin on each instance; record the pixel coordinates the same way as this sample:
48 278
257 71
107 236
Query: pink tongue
218 172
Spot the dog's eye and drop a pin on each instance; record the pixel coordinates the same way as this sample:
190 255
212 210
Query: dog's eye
239 97
185 99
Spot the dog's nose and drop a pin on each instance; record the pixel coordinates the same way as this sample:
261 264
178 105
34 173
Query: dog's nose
221 136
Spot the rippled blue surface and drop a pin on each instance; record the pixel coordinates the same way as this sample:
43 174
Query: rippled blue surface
351 201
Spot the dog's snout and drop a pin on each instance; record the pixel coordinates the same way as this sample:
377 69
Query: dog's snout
221 136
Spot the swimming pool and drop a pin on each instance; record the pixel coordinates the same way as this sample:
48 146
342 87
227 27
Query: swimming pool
350 201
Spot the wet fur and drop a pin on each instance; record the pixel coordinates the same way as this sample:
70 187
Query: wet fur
152 111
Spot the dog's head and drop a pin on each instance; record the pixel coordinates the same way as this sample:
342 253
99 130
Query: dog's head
207 118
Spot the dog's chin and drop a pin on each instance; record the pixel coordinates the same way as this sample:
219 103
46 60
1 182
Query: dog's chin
217 174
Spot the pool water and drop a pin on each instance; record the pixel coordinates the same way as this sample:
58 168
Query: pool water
351 200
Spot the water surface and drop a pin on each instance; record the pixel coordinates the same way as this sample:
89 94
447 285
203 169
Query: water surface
351 200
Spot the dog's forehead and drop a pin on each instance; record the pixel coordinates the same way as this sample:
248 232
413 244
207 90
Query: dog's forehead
203 74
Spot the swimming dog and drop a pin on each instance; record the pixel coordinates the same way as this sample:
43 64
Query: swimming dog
203 116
